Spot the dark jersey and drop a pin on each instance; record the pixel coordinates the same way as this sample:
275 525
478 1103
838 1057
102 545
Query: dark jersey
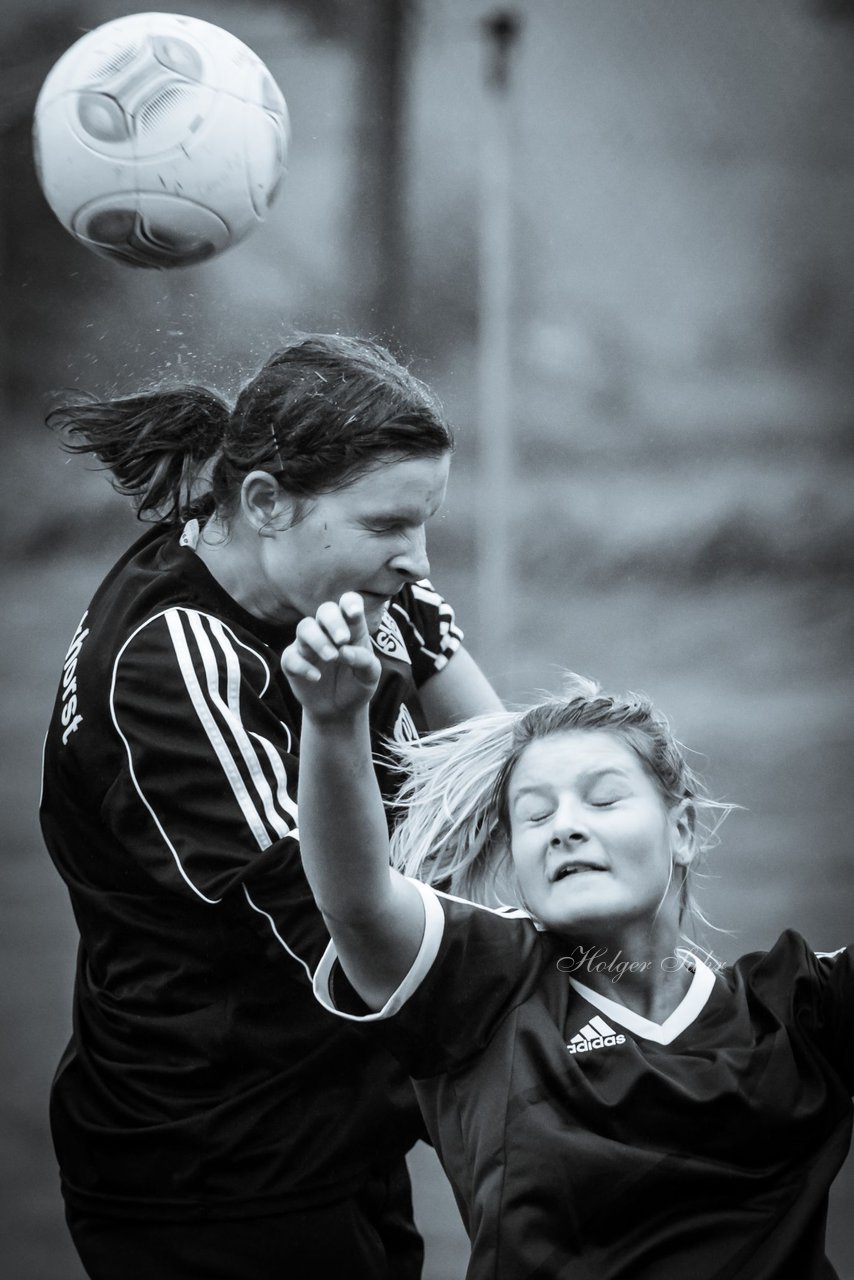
584 1142
202 1076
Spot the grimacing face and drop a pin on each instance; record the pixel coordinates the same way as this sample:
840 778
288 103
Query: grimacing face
593 842
369 537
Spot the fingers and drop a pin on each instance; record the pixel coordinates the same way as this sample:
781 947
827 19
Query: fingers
316 639
296 665
337 632
331 619
345 622
357 657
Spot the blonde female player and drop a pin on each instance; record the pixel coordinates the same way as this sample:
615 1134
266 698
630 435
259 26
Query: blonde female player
605 1103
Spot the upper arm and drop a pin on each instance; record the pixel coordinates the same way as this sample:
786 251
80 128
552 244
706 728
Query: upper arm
378 951
208 782
473 966
456 692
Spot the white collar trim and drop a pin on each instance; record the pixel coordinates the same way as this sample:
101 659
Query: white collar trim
687 1011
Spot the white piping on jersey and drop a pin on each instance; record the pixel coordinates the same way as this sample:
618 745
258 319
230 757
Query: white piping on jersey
44 753
423 590
231 712
170 846
276 933
439 660
687 1011
221 631
506 913
284 801
434 927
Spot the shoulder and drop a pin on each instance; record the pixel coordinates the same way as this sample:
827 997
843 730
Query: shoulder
483 956
792 959
193 641
425 624
812 990
183 666
475 965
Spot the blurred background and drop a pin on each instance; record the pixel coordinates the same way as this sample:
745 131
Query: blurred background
620 244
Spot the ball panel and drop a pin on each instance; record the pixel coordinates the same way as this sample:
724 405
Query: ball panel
178 55
114 62
151 230
265 160
102 119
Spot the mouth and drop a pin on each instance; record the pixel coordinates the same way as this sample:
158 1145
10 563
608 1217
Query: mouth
567 869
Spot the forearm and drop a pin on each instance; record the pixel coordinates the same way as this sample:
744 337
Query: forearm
374 915
343 830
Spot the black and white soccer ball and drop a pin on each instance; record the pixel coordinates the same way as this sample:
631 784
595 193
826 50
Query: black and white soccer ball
160 140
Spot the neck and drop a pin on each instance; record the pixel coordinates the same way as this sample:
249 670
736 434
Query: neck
230 556
638 970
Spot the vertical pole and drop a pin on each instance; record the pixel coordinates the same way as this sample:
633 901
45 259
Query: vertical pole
493 592
381 36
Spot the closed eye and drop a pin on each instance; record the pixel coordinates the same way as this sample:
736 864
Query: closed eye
394 529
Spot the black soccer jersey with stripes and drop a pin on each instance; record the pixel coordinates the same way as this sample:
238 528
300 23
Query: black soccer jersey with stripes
202 1077
584 1142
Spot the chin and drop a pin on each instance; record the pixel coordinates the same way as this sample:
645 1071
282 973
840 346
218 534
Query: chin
374 614
582 923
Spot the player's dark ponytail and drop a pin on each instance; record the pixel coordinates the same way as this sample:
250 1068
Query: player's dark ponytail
157 445
321 411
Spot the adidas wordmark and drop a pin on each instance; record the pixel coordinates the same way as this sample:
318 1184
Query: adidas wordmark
595 1034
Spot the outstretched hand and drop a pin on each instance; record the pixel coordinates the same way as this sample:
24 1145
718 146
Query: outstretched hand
331 665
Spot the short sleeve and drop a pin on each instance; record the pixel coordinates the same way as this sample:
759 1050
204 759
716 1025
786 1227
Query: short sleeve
834 975
428 627
205 803
813 992
475 965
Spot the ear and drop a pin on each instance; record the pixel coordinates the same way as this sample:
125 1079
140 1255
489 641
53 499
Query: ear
264 504
683 840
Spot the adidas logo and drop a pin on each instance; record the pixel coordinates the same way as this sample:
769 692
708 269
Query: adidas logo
595 1034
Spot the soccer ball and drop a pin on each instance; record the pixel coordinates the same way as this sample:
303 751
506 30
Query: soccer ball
160 140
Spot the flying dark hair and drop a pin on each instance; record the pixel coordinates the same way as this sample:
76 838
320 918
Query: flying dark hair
320 412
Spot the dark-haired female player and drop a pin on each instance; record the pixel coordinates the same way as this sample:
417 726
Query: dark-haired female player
606 1104
210 1119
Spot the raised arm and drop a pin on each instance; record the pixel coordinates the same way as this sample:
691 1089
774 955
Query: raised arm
374 915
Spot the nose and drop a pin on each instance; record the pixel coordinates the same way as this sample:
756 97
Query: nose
411 560
568 828
564 839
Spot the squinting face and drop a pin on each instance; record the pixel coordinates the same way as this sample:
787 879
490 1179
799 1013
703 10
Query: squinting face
369 537
592 840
